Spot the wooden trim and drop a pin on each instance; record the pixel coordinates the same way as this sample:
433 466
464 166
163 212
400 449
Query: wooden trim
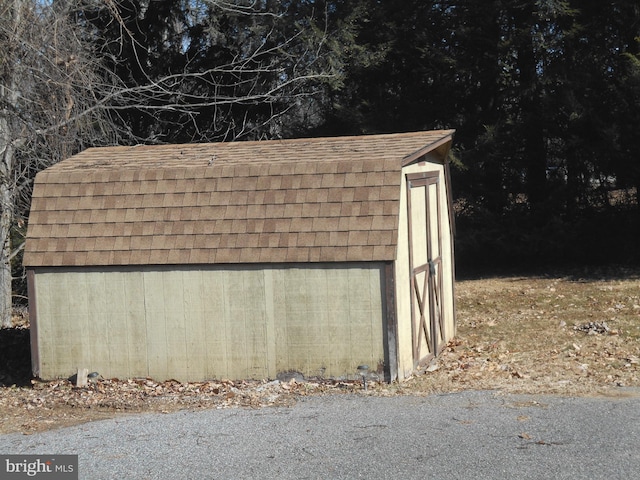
33 323
391 330
452 218
430 281
440 147
452 231
412 282
453 291
436 285
421 268
422 179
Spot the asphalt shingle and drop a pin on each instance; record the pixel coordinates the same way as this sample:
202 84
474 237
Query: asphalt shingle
318 200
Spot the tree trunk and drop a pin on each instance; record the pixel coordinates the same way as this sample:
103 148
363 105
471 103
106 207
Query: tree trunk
532 115
5 260
488 98
6 161
9 97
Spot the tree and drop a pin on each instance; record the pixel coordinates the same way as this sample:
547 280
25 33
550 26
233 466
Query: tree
215 70
77 73
394 68
538 90
47 111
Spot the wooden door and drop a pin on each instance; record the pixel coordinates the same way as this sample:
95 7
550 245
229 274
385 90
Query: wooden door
425 265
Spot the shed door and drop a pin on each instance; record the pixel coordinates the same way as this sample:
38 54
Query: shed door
425 265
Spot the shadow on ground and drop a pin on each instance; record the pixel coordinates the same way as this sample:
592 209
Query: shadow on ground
15 357
575 273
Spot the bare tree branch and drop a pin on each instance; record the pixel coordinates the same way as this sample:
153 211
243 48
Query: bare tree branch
66 84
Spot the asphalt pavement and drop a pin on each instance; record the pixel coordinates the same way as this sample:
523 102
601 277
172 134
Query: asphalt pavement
474 435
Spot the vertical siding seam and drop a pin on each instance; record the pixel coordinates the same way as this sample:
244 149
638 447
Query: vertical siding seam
187 350
270 341
33 320
226 315
146 319
128 320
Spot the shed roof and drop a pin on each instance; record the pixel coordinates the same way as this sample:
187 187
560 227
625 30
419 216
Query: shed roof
303 200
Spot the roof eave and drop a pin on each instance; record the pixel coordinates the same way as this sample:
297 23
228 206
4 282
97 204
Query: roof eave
440 148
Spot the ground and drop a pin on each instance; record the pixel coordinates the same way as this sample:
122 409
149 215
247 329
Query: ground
572 333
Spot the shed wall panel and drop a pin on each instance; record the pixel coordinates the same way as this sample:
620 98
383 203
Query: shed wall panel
196 323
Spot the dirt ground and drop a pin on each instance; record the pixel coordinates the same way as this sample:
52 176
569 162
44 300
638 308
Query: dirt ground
566 334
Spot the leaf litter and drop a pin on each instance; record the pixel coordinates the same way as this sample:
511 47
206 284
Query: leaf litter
554 334
567 334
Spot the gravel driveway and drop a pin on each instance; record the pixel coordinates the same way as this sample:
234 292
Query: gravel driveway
478 435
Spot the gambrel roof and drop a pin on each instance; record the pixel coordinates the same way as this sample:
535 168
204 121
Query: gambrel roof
303 200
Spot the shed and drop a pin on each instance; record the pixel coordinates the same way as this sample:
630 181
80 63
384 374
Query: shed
243 259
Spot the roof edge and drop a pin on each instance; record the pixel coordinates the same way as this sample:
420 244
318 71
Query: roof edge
441 147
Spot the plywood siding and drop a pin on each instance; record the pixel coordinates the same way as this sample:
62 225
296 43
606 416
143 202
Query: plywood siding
195 323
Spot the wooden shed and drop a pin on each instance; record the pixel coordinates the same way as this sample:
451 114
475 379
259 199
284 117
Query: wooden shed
244 259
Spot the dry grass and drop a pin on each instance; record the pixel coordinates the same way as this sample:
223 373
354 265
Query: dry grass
515 334
527 335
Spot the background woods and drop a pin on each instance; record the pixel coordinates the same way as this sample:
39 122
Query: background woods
544 95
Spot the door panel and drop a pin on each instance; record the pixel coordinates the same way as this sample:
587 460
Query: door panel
425 264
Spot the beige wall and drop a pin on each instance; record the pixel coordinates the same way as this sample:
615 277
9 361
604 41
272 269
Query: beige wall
196 324
403 299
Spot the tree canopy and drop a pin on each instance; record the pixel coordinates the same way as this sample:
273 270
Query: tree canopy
544 95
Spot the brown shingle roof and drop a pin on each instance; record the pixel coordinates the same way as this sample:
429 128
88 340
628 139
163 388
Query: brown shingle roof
319 200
